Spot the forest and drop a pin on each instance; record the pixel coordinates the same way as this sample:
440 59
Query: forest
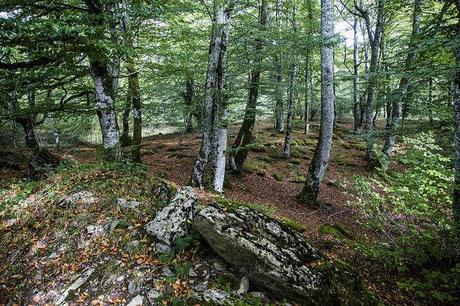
230 152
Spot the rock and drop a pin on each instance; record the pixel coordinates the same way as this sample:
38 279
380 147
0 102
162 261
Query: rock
128 204
138 300
219 266
215 296
200 287
153 295
94 229
162 248
133 246
172 222
192 273
166 271
258 295
83 278
244 285
81 197
277 259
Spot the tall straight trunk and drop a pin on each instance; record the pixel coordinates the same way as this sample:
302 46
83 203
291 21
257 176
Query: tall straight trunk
430 99
106 110
279 105
133 83
356 101
404 88
308 74
188 100
103 71
214 125
308 93
292 92
456 195
310 192
245 136
374 40
53 119
125 138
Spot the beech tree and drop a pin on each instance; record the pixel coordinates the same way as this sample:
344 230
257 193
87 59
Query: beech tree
310 192
245 137
214 142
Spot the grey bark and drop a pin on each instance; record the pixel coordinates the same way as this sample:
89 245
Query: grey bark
105 88
106 110
308 75
310 192
279 105
456 194
374 41
356 100
405 86
188 100
214 125
292 91
245 136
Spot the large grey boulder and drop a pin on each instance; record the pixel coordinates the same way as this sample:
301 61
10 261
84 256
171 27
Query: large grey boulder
277 259
173 221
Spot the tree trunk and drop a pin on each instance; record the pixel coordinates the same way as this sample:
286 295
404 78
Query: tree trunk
214 125
404 84
356 100
308 93
430 100
310 192
279 107
245 136
374 39
456 195
188 100
106 110
105 88
125 138
133 83
292 92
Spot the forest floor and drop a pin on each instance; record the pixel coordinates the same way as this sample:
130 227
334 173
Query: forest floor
272 181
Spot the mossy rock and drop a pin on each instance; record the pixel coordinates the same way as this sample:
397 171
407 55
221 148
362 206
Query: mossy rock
336 230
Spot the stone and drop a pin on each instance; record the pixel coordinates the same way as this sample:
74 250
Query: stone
94 229
83 278
172 222
192 273
244 285
162 248
138 300
128 204
166 271
276 258
215 296
257 294
153 295
77 198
